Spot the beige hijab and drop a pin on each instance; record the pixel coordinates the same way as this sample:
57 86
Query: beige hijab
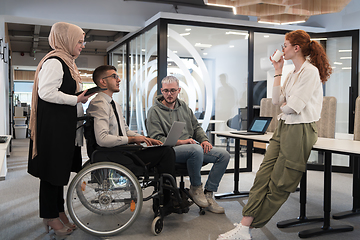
63 39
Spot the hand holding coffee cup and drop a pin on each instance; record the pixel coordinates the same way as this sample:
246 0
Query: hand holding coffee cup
277 55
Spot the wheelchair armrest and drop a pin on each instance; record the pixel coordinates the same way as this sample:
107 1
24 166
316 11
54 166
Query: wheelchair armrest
127 150
122 148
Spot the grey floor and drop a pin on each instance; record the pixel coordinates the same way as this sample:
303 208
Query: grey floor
19 208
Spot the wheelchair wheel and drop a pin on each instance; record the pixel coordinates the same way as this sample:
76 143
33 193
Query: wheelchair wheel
104 199
157 226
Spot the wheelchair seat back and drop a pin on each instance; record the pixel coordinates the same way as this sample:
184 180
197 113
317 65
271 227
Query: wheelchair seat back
120 154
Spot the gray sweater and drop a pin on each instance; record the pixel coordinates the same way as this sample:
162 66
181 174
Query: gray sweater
160 119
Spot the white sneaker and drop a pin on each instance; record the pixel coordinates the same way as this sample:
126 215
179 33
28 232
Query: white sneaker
213 205
240 232
198 196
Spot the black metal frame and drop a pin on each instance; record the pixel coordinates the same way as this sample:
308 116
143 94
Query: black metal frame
162 24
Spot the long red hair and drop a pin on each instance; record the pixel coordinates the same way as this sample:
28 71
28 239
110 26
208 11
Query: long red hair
312 49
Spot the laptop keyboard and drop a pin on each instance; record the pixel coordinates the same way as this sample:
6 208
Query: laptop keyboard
3 139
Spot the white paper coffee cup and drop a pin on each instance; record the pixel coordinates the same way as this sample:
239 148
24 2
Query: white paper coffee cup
276 57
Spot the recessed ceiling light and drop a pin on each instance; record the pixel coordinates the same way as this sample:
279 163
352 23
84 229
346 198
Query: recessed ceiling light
236 33
295 22
266 36
346 68
318 39
345 58
273 23
203 45
345 50
338 63
205 53
184 34
187 29
231 46
174 51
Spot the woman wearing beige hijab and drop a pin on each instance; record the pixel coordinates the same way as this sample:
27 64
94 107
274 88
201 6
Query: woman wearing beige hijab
54 149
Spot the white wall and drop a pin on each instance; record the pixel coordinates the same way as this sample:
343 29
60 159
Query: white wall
4 87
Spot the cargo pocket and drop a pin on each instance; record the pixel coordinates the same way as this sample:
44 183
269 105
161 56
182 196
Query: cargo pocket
291 176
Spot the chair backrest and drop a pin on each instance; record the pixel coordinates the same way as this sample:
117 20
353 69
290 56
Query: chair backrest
268 109
89 135
234 123
326 124
357 120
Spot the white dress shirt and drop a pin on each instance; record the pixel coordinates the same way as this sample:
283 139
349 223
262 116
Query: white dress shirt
50 80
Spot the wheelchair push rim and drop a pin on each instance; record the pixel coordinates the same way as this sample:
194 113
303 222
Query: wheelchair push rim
104 199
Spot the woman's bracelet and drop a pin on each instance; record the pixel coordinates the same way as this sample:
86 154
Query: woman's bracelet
278 75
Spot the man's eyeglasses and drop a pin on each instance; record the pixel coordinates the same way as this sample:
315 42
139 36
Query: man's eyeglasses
82 43
113 76
172 91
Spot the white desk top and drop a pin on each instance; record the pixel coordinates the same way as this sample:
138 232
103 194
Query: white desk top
211 121
4 146
342 146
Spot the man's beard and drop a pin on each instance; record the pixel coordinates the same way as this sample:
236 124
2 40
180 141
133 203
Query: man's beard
169 102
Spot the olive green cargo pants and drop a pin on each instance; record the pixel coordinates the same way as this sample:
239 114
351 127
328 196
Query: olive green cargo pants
281 170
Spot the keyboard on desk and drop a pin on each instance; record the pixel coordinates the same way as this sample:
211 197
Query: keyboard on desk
3 139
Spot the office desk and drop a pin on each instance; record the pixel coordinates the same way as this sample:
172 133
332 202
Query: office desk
4 151
251 138
327 145
209 129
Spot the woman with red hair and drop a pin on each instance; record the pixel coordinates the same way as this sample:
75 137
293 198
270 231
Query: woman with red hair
300 99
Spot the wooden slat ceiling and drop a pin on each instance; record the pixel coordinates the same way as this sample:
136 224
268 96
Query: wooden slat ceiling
281 11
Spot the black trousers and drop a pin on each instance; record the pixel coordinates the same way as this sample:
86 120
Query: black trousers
51 200
162 158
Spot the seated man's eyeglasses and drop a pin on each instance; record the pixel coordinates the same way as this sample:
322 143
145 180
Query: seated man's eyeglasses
113 76
172 91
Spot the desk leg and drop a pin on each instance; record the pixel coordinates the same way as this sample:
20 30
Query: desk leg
302 219
326 228
236 192
356 193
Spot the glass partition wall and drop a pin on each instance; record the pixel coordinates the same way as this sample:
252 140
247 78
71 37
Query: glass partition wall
224 71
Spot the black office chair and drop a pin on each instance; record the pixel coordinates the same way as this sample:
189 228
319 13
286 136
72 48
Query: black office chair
106 196
236 124
181 171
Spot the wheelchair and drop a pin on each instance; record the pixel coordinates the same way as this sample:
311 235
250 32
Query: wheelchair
105 198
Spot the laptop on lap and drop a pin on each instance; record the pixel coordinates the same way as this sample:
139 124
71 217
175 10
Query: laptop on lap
173 135
258 126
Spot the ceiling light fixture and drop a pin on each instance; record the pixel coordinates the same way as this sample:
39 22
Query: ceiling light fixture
184 34
203 45
345 57
318 39
281 11
345 50
237 33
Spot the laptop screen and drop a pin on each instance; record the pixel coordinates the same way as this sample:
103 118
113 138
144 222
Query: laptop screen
260 124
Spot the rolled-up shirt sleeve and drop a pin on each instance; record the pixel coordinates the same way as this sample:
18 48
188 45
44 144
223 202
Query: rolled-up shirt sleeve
304 90
50 80
287 110
277 97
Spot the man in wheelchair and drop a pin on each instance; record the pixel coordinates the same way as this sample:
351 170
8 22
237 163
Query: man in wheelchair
111 130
